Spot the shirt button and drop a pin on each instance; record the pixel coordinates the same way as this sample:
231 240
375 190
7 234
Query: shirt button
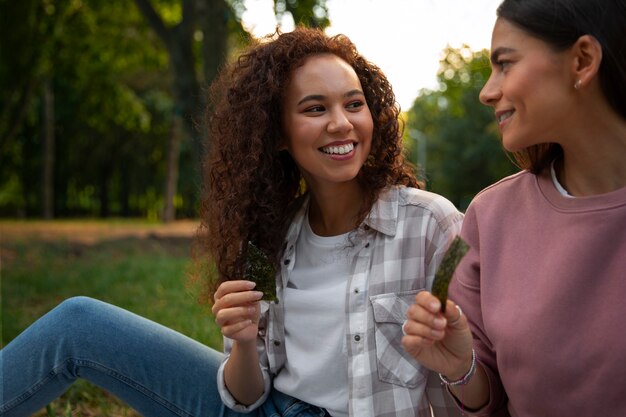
287 261
356 290
276 342
357 337
367 245
366 227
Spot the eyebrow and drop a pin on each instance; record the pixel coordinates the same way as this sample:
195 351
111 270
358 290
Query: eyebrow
317 97
499 51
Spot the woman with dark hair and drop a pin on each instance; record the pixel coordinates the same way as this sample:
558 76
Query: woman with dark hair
542 286
305 164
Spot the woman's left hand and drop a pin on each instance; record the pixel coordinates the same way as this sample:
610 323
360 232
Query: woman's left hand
441 342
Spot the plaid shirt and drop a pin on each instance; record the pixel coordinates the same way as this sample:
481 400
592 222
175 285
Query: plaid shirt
398 249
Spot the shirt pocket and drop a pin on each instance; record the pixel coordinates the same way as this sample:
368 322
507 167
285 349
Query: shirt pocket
394 364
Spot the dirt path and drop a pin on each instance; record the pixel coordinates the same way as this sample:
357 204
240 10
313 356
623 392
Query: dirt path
91 231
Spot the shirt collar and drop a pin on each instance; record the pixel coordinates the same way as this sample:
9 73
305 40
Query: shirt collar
383 217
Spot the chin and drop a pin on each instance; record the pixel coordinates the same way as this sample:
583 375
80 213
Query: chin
513 145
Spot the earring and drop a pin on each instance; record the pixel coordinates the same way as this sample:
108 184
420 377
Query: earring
577 84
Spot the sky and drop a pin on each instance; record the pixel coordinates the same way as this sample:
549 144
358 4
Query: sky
404 38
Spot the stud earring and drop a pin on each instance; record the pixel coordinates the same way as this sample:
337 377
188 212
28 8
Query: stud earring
577 84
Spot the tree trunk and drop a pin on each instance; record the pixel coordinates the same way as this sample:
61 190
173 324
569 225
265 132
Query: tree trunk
103 191
213 18
179 43
47 174
171 181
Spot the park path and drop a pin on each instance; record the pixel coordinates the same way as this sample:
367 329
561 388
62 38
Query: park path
92 231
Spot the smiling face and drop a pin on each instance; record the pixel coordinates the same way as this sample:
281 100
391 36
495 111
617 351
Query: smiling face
326 120
531 88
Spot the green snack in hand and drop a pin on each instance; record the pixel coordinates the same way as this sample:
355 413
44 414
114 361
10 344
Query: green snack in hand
458 248
261 270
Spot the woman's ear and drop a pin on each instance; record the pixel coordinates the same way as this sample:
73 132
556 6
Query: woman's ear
587 53
281 144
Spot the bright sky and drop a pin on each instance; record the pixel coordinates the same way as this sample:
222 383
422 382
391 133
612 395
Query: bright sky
404 38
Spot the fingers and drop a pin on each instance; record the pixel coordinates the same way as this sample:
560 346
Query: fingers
228 287
454 314
236 306
425 323
231 329
232 293
439 341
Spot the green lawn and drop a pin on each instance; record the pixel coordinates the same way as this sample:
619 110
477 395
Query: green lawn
146 276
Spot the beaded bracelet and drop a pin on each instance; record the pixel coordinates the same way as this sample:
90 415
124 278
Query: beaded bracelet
466 378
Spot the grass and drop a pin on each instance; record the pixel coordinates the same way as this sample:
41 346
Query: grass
143 275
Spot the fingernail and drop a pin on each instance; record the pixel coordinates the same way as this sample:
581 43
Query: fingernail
257 294
251 284
436 333
434 306
439 323
251 310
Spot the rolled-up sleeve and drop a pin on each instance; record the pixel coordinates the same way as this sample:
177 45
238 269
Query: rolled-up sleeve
228 399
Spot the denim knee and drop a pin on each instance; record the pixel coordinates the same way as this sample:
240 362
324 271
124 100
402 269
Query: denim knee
77 307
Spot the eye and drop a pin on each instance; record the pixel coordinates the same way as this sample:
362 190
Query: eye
503 64
318 108
356 104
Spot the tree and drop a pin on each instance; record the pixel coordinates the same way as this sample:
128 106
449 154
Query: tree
310 13
212 18
99 64
463 148
120 102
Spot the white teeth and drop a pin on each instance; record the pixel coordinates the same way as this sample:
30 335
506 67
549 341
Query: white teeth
505 116
338 150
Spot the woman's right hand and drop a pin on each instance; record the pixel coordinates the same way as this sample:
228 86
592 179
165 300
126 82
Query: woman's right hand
237 310
441 342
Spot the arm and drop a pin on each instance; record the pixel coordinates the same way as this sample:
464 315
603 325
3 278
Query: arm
237 312
242 373
465 288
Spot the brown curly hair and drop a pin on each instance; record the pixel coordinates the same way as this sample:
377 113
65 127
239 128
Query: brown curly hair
252 188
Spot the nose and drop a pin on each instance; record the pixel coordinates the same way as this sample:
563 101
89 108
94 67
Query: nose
339 121
490 92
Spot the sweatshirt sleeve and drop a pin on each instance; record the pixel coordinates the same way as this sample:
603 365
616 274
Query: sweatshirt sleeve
465 290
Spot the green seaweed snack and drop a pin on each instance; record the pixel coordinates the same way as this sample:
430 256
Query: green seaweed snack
261 270
458 248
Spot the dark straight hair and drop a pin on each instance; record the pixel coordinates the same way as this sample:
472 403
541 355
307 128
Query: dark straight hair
560 23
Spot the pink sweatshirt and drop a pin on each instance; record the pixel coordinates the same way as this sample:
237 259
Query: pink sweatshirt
544 287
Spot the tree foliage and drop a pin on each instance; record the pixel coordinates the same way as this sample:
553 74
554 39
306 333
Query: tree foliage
120 77
98 58
463 149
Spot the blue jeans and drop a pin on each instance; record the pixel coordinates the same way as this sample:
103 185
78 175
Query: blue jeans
155 370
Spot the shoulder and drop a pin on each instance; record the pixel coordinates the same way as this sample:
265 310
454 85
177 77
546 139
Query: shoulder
414 197
413 202
507 189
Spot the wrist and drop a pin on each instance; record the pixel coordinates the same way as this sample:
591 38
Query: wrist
464 378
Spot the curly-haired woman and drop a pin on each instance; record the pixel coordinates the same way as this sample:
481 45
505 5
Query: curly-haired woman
306 163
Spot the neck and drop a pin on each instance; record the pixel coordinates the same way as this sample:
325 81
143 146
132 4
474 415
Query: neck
335 211
594 164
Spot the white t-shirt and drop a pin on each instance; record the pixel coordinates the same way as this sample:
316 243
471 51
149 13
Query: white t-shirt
316 367
556 182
